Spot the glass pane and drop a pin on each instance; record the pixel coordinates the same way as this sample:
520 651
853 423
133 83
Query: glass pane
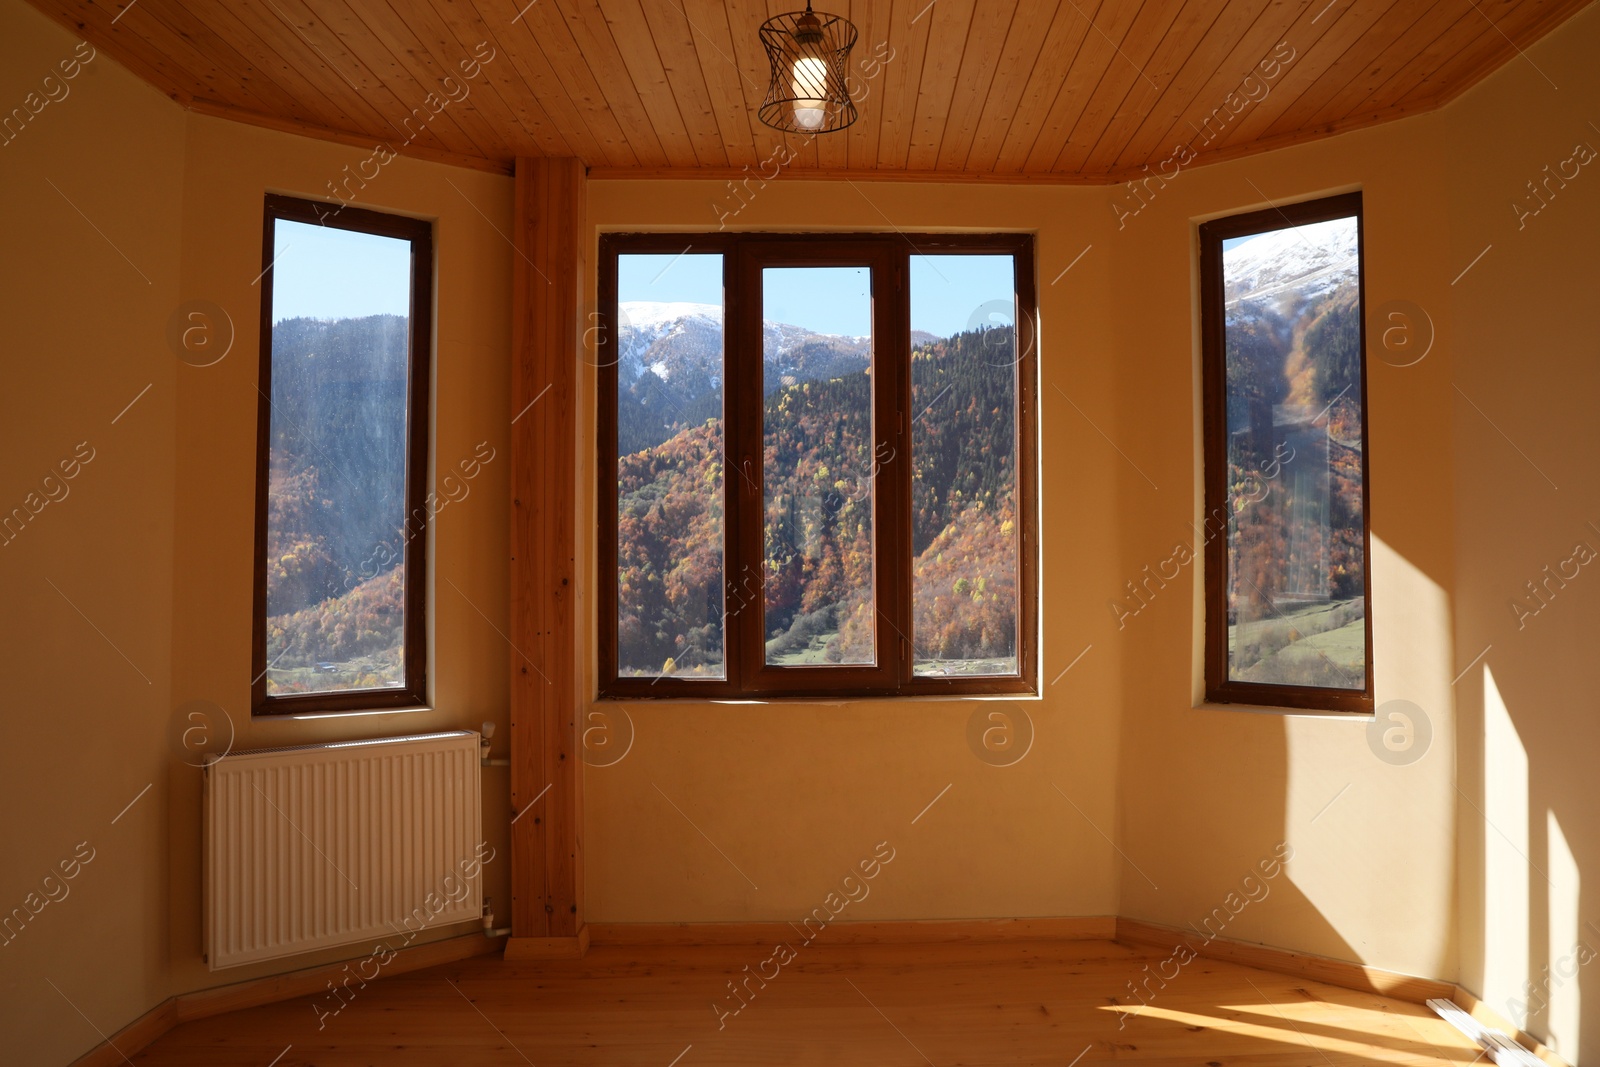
1296 574
670 615
963 463
818 465
336 489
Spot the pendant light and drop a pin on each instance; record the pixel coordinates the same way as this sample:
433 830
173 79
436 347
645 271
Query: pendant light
809 54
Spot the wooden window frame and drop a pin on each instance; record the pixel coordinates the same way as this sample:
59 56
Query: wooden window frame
1219 688
748 675
419 232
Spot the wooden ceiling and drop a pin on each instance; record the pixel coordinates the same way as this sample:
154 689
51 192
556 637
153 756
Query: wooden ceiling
1055 90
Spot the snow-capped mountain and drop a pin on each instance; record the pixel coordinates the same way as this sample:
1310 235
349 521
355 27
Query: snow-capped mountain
642 314
1306 261
670 365
679 341
682 343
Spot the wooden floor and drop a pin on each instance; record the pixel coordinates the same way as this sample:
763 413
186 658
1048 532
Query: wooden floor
1059 1003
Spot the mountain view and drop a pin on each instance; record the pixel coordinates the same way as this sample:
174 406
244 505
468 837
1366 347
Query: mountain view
818 480
1295 544
336 524
336 505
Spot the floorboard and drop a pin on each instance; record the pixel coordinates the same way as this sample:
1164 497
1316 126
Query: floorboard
1059 1003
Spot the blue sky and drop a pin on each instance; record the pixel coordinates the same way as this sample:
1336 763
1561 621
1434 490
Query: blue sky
948 292
691 277
954 293
322 272
822 299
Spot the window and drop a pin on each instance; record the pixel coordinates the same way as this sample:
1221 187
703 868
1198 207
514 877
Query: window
342 460
1287 578
816 465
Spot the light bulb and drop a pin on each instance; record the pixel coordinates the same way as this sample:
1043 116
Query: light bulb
809 82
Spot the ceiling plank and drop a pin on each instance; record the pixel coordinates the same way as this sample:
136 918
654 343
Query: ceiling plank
1402 51
367 71
302 68
1465 29
948 39
640 57
259 90
1161 38
1106 28
980 70
465 37
902 80
540 34
598 50
867 70
833 148
530 75
1321 37
1024 45
189 71
1228 52
406 60
1390 25
673 39
735 102
1510 27
1068 31
481 102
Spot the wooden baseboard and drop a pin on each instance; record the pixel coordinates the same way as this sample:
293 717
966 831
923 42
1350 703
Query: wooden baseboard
1473 1006
548 948
203 1003
1341 973
126 1043
893 932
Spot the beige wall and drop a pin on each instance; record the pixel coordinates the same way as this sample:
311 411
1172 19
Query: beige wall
87 587
1207 791
795 794
163 515
1393 865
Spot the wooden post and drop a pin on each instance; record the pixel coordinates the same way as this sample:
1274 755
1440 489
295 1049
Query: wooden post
546 779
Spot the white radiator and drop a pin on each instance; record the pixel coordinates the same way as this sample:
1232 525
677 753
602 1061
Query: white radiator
324 845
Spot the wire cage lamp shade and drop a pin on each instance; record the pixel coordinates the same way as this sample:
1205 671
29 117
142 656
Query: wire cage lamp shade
810 55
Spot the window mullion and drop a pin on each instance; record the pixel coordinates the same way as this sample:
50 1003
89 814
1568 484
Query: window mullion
742 478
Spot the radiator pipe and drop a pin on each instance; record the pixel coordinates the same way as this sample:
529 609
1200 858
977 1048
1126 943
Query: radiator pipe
489 929
483 748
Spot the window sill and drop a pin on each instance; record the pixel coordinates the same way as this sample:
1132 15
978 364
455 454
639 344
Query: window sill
297 715
820 700
1298 713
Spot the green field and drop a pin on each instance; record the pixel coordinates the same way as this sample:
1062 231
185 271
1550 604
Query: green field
1312 644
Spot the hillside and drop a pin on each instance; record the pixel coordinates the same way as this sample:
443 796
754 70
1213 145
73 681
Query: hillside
1296 543
818 461
336 498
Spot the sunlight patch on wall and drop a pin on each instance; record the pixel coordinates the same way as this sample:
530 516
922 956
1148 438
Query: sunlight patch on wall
1505 856
1568 948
